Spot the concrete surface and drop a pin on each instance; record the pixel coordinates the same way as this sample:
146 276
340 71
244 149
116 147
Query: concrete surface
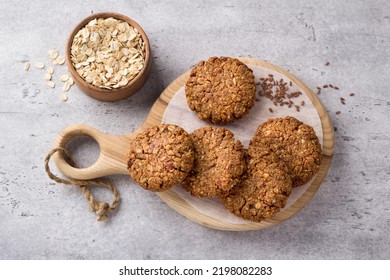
348 218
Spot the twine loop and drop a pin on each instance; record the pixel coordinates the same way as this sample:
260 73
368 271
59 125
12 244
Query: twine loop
101 208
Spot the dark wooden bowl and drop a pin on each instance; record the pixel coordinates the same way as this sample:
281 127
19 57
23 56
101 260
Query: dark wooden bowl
110 94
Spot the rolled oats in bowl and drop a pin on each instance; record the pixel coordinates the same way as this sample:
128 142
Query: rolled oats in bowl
108 53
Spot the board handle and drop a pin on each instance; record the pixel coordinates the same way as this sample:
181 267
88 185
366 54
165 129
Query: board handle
112 158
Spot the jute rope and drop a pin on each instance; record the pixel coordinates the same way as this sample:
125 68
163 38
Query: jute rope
101 208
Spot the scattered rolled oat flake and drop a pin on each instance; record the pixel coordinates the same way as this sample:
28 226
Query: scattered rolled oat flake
51 84
48 76
39 65
53 54
64 97
70 80
54 61
60 60
50 70
64 78
66 86
26 66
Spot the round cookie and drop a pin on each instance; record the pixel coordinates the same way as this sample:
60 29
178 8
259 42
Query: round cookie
295 143
264 189
219 162
160 157
220 90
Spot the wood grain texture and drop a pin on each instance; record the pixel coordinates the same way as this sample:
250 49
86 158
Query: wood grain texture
113 155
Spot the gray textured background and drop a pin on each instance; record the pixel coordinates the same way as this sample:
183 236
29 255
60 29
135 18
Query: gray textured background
348 218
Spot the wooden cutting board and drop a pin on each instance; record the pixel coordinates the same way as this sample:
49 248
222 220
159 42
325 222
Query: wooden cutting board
113 155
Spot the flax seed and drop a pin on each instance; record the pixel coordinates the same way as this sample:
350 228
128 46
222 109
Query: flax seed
278 91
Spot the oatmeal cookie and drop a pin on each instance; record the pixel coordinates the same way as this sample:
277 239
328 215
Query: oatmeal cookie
160 157
264 189
295 143
219 162
220 90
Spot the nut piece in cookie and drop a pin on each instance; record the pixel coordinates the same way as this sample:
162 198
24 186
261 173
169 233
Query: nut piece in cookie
220 90
264 189
219 162
160 157
294 142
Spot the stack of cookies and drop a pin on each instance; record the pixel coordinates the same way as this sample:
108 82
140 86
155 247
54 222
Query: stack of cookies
252 183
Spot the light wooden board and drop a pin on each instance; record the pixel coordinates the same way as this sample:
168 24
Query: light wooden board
113 155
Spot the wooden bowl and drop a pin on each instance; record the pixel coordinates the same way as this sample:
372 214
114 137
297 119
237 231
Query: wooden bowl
110 94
